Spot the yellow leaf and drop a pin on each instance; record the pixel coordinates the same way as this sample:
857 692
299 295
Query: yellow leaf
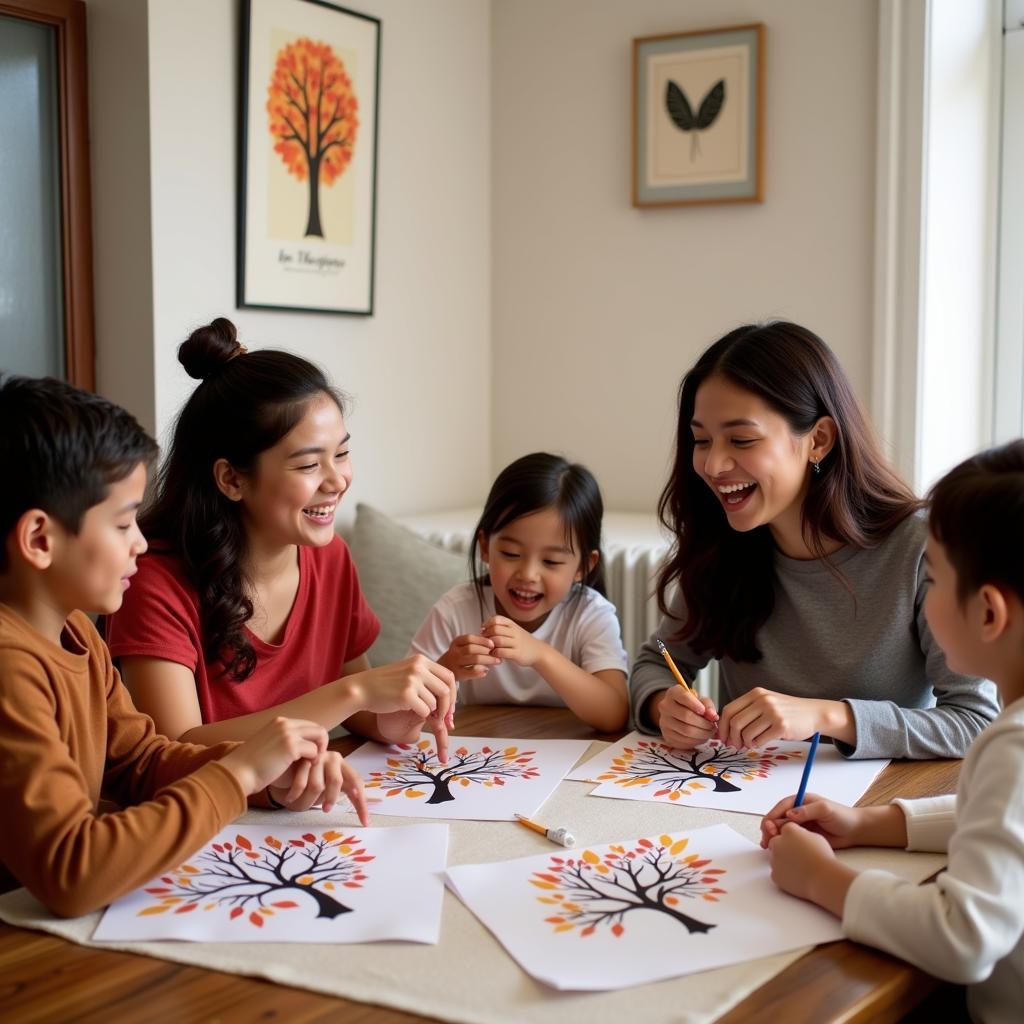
328 885
305 880
415 792
344 849
564 927
678 847
665 840
602 868
511 751
267 911
188 867
543 885
590 857
153 910
331 836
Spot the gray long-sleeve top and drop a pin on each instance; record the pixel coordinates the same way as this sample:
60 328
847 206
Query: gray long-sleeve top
876 653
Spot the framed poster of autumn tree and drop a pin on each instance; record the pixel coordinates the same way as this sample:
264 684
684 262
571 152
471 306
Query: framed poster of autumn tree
308 157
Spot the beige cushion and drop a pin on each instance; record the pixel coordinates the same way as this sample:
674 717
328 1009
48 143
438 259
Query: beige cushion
402 576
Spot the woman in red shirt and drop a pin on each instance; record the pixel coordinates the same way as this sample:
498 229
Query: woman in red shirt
248 605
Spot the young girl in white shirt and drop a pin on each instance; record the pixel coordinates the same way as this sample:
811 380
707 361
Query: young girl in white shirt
968 927
533 626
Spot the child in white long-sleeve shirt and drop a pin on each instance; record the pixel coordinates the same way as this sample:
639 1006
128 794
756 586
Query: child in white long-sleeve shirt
969 926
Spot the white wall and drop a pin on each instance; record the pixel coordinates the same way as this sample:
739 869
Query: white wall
418 368
598 308
122 239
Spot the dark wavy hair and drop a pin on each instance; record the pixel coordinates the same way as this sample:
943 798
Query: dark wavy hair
977 515
245 404
535 482
61 448
727 577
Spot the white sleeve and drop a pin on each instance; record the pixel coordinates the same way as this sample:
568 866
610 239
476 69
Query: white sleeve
959 927
439 629
931 822
599 638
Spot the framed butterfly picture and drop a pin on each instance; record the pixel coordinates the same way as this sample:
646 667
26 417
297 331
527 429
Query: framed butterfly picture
698 100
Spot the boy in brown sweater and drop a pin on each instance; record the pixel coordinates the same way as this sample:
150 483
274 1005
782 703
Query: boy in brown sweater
74 471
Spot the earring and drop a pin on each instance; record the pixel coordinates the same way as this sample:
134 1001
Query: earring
817 467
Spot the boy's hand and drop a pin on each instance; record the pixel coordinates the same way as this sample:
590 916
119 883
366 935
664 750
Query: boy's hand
512 642
838 824
273 750
686 720
469 657
310 782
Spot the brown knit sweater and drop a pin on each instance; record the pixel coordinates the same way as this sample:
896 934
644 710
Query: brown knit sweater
69 734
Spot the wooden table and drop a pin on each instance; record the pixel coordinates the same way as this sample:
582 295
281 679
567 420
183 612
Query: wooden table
44 978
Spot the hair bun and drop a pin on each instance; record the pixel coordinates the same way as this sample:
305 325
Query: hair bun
208 349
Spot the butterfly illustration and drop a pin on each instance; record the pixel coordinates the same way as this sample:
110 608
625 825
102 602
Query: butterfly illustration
679 109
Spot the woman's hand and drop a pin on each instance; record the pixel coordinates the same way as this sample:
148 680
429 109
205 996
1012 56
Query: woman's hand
414 684
686 719
319 782
762 716
511 642
469 657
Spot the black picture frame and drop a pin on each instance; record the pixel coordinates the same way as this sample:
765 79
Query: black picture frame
308 140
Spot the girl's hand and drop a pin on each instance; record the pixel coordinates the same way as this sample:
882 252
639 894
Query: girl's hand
761 716
801 862
307 783
469 657
686 720
511 642
272 751
838 824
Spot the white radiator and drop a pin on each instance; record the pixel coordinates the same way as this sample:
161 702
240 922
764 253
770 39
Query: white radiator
633 549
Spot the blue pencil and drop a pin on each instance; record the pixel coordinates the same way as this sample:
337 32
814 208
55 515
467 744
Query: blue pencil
807 770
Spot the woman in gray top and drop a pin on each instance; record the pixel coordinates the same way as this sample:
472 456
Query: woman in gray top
797 564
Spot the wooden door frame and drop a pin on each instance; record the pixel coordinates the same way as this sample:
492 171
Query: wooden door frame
67 17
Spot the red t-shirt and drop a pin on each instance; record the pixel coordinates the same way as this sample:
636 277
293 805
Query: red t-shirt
330 624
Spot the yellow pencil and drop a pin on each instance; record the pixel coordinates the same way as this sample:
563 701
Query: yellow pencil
672 665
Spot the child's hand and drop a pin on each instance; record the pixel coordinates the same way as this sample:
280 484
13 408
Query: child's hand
469 657
512 642
837 823
686 720
269 753
799 860
309 782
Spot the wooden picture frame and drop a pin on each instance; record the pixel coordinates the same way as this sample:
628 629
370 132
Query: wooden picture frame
308 157
698 117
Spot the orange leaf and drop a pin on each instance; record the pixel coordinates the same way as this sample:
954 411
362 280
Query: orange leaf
256 920
243 842
152 910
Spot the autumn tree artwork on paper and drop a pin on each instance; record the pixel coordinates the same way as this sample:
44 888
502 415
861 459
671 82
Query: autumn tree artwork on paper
683 117
313 118
251 885
591 892
416 771
679 773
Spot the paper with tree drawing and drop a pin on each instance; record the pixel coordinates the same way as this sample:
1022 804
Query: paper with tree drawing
641 910
485 779
264 884
751 780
